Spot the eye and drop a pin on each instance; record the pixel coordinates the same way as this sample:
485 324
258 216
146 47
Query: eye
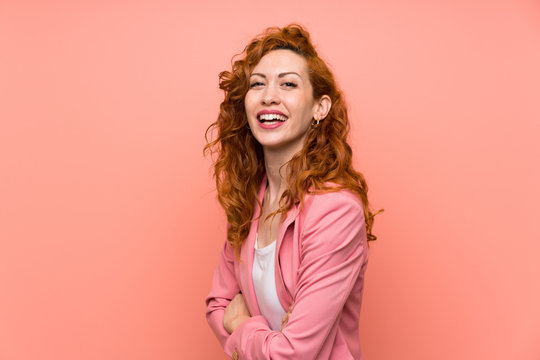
290 84
257 83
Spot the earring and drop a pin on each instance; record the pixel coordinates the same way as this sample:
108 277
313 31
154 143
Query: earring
315 122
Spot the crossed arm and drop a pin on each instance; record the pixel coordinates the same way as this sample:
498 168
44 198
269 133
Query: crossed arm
237 312
333 252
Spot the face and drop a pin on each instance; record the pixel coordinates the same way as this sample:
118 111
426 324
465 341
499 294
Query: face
279 103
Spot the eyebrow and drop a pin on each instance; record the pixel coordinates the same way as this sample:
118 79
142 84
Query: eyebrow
279 76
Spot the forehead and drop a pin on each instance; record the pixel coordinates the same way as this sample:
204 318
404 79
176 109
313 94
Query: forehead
282 60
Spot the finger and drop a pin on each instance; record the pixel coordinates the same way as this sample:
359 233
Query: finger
237 298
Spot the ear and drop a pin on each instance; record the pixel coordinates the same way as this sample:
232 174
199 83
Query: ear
322 106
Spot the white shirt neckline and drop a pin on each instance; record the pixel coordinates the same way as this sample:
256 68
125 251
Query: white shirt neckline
264 283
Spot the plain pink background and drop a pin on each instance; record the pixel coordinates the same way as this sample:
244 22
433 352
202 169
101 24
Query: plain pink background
109 225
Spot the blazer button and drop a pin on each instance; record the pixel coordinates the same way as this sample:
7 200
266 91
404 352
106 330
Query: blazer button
235 355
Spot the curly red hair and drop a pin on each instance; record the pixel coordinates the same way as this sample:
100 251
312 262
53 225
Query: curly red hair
326 157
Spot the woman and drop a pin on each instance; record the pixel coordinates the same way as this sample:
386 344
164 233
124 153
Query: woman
290 278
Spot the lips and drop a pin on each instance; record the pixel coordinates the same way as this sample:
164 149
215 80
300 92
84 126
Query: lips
270 125
266 116
271 119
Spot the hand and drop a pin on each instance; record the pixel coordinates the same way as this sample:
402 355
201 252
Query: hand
285 318
235 313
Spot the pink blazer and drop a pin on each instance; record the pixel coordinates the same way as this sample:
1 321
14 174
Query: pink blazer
321 257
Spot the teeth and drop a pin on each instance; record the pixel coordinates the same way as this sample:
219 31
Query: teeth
270 117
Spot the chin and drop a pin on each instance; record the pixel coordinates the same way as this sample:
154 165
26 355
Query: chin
271 145
282 145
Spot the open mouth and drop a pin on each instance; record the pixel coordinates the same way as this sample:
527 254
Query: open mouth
270 119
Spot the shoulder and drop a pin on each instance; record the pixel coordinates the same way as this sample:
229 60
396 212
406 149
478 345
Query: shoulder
321 203
332 223
334 211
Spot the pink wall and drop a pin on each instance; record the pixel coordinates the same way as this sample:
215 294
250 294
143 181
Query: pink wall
109 227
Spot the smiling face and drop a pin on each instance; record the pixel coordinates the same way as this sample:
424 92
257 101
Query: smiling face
281 92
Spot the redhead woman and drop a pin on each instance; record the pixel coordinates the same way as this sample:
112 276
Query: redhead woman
290 278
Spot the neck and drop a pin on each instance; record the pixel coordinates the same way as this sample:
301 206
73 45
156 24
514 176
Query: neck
276 173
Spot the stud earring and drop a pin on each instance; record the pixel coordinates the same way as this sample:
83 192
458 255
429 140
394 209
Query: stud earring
315 122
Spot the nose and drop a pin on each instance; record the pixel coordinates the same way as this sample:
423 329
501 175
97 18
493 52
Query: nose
270 96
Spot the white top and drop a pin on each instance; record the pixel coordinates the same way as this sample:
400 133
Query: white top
264 281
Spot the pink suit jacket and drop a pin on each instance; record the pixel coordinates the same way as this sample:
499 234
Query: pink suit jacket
321 257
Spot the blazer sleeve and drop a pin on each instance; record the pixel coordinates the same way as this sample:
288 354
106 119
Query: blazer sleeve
333 251
224 288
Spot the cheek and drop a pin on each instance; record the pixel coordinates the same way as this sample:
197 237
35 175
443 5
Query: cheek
301 104
249 108
248 104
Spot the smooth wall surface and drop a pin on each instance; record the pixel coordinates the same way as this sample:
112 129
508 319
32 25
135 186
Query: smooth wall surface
109 225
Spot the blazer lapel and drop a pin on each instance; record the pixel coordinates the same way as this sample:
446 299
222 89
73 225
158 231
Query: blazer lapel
248 252
285 298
